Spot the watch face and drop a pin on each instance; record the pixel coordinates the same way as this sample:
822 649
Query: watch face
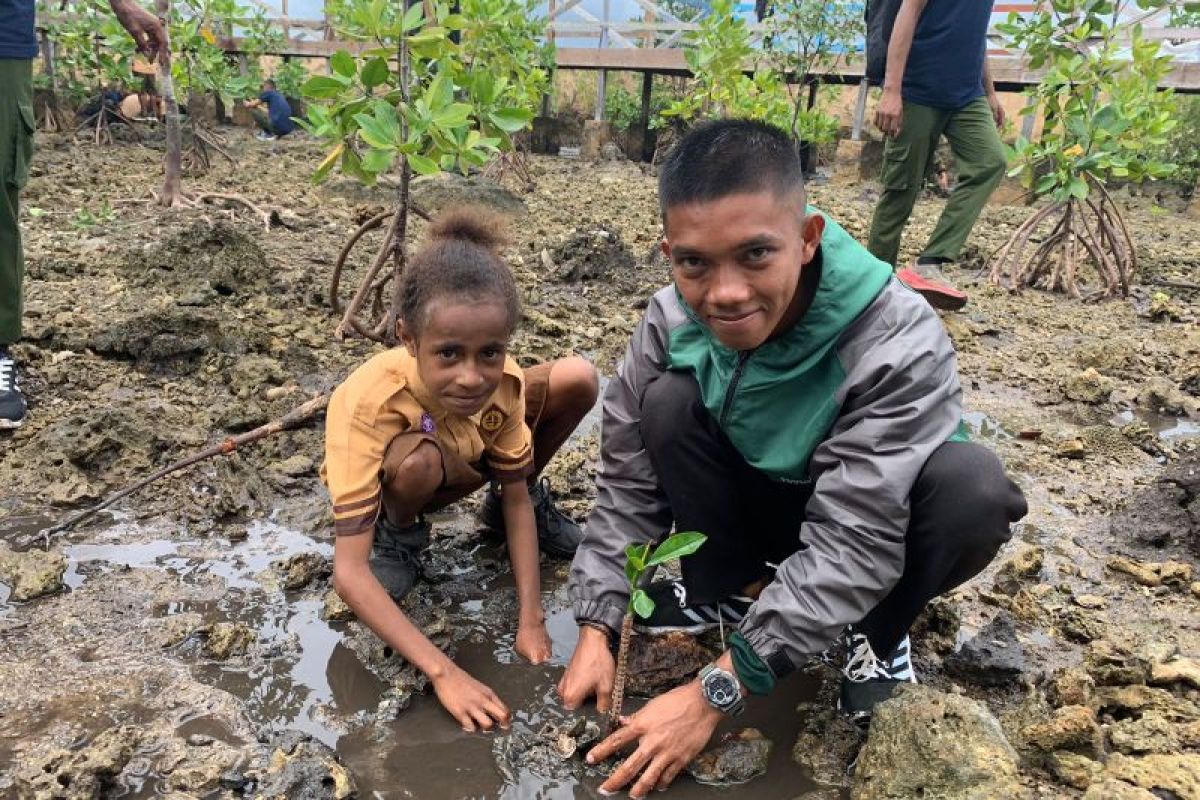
721 689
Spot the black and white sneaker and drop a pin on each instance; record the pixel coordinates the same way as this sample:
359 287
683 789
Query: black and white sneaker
558 535
673 613
867 679
12 402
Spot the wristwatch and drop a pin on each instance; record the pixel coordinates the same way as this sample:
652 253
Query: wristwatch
721 690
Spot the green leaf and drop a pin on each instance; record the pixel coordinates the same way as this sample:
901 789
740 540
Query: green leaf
454 115
422 165
413 18
1078 188
632 573
343 64
636 554
375 73
322 87
643 606
510 120
677 546
1045 184
378 161
380 129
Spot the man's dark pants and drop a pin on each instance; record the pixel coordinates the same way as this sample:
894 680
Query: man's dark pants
264 122
961 509
16 151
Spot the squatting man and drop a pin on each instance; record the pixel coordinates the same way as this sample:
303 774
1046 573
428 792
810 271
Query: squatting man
788 397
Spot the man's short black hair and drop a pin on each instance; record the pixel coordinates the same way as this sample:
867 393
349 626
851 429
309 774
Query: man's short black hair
269 84
729 156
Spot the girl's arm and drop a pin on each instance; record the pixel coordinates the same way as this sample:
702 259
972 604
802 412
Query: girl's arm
533 643
470 702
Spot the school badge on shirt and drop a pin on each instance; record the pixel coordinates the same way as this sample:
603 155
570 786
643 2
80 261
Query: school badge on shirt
491 419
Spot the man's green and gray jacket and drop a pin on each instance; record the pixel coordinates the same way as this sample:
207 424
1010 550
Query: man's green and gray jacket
856 397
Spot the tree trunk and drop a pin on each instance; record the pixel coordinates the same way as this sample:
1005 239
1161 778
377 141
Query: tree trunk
172 162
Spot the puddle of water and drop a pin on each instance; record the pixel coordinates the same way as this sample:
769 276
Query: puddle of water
424 750
304 678
116 554
208 726
1169 429
289 690
984 427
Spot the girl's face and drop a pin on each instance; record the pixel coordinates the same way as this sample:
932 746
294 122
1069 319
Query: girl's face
460 352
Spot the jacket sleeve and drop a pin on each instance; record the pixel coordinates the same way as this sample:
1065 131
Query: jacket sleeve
630 505
901 401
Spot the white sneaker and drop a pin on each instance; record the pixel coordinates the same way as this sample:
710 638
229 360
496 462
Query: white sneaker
12 402
263 136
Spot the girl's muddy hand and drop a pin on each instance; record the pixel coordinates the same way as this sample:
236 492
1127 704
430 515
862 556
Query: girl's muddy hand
533 643
473 704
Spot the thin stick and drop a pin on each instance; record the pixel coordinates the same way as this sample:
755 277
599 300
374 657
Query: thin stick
293 419
618 695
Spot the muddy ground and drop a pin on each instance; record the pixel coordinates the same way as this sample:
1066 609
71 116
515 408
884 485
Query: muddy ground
192 643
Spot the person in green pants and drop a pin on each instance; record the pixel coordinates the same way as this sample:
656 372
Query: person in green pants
18 48
937 84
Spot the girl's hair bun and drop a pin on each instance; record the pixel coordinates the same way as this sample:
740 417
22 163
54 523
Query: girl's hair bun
473 224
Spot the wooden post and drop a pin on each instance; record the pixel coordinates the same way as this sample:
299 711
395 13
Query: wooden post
48 60
602 81
548 96
283 9
647 89
860 111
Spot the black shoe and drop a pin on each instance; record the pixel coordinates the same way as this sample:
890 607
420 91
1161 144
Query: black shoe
396 555
558 535
12 402
673 613
868 680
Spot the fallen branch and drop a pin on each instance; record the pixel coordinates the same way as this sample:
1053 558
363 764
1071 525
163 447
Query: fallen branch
289 421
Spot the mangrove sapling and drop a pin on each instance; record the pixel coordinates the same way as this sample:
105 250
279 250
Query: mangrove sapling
1105 119
639 559
429 113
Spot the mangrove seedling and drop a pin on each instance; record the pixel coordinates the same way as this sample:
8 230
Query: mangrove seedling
638 559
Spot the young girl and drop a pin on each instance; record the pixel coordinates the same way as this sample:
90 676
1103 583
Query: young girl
420 426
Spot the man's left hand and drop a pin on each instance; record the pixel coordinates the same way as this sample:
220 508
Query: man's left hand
669 731
145 28
997 109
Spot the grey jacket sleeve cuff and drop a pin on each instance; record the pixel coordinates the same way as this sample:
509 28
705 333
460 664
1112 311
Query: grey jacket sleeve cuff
605 613
771 651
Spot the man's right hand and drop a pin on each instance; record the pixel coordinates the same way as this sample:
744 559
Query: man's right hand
889 116
474 705
148 32
591 672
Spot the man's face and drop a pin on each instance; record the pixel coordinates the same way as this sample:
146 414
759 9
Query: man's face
737 260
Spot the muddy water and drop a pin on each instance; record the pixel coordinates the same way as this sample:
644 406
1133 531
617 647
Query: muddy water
304 677
425 754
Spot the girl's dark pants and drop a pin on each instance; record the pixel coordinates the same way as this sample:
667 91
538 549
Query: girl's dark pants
961 508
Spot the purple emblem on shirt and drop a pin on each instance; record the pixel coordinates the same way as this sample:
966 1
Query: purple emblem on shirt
427 425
